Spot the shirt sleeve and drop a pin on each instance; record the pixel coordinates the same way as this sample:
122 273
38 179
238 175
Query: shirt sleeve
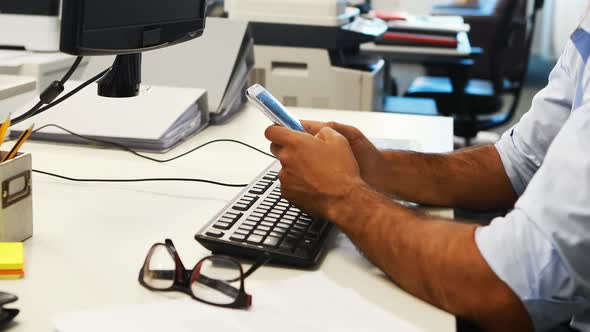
524 147
541 250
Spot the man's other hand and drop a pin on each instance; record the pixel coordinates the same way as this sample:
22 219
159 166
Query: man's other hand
369 158
318 171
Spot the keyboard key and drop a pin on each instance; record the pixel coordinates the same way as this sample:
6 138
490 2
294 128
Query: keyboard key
254 219
263 228
259 190
259 232
280 228
276 233
303 223
238 237
271 219
299 229
274 214
271 177
284 225
228 220
222 225
289 217
254 239
250 223
305 217
246 228
215 233
296 233
245 204
267 224
242 232
271 241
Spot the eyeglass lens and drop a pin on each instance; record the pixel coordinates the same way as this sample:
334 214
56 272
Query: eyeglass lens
159 272
217 280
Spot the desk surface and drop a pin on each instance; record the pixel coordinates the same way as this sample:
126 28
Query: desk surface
91 239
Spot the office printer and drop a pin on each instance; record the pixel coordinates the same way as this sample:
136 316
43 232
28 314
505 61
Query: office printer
307 52
30 24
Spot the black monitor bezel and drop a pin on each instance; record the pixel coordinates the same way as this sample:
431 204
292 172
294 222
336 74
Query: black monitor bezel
74 39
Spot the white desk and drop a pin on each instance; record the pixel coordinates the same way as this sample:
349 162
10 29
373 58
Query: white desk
91 239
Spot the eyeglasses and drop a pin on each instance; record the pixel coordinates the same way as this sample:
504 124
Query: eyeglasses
7 315
215 280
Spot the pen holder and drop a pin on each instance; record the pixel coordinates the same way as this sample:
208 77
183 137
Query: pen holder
16 213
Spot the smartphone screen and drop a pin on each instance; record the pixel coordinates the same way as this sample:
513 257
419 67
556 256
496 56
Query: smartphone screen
274 109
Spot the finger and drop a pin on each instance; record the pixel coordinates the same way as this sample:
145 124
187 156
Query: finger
350 132
275 149
313 127
328 133
281 135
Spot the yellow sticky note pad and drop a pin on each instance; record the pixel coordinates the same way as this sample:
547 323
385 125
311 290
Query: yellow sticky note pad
12 256
7 275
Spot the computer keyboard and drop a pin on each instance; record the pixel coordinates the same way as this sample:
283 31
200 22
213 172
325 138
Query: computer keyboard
260 221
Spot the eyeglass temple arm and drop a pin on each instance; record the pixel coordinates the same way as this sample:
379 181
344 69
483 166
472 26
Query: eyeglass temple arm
260 262
219 285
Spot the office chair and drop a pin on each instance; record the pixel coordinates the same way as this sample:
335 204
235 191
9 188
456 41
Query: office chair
481 108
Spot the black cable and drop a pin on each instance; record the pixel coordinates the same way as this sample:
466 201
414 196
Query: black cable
63 177
73 92
49 94
71 71
130 150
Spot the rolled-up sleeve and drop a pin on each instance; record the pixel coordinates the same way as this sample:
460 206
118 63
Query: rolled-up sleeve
523 148
541 250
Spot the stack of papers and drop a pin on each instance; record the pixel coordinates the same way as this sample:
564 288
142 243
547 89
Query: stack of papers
156 120
431 25
12 260
310 303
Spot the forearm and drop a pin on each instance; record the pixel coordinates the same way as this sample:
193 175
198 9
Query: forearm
435 260
473 178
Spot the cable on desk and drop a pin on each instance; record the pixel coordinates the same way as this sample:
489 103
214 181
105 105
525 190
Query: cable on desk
135 153
128 149
63 177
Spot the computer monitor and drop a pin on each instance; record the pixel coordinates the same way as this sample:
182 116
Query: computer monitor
29 24
126 28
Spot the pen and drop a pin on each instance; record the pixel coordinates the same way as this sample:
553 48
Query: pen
21 140
4 129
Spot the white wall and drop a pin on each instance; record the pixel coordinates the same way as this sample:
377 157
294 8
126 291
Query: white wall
419 7
567 16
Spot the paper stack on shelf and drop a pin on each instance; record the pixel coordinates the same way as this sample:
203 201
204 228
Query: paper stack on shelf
12 260
434 25
422 31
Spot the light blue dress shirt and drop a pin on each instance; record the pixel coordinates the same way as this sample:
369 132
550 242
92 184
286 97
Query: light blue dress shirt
541 250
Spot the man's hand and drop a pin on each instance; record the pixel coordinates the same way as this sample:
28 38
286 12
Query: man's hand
370 160
318 171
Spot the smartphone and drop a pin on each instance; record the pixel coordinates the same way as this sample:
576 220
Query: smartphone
272 108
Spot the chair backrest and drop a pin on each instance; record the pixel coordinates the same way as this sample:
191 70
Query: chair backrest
521 67
505 12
